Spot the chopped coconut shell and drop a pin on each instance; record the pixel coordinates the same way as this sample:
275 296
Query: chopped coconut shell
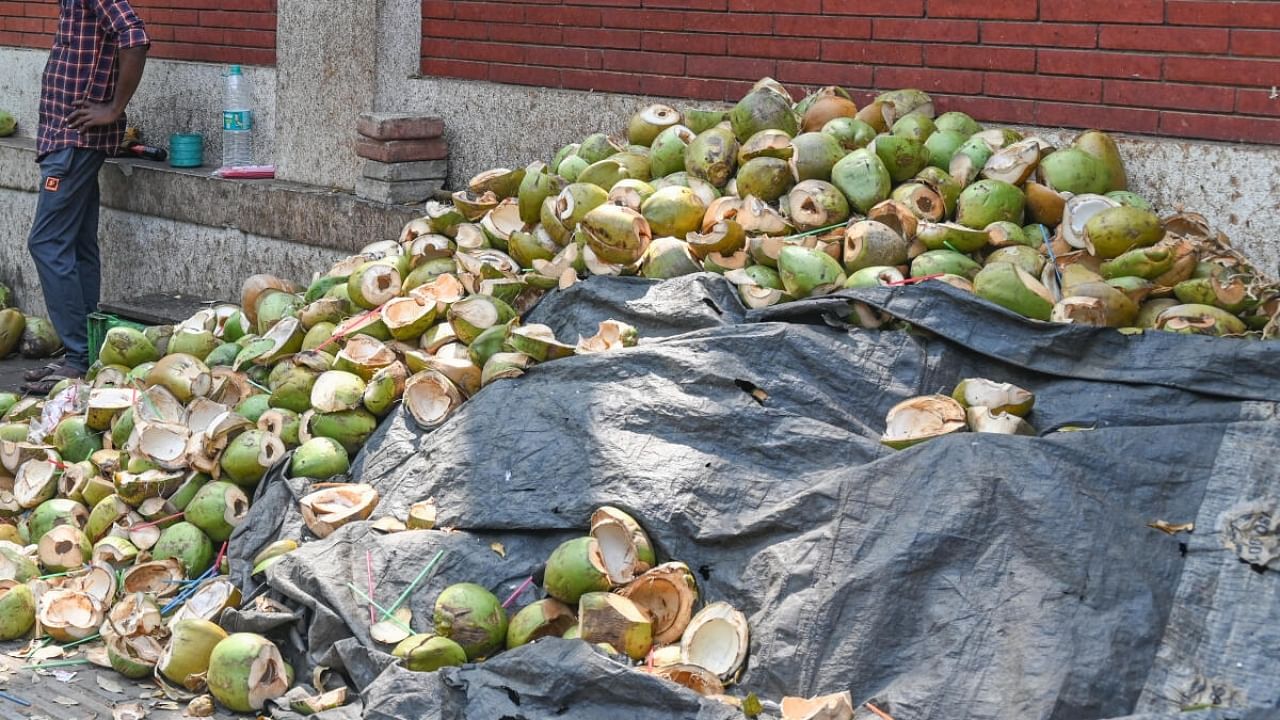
697 679
837 706
716 639
922 418
324 511
611 335
668 594
431 397
158 577
69 615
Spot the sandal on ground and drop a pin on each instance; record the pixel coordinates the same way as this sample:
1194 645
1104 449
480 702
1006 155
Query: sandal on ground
43 371
45 384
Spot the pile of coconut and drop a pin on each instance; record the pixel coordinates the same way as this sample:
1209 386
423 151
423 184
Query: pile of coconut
28 335
606 588
793 199
119 494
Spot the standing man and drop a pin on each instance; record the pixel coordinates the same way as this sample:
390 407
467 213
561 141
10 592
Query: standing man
93 70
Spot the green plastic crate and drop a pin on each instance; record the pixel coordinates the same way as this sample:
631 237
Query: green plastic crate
99 324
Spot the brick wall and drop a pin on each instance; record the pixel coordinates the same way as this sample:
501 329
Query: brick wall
1184 68
221 31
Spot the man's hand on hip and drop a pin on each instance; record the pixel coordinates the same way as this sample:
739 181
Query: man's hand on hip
91 114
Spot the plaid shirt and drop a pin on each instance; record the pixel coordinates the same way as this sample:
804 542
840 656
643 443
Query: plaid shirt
82 66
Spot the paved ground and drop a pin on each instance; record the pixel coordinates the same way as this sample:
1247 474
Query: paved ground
11 371
77 692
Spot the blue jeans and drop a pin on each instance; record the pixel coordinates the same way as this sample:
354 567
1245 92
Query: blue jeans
64 244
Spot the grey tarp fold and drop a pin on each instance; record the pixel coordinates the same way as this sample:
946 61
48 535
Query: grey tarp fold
974 576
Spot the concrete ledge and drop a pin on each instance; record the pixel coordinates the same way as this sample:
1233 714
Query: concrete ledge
304 214
165 230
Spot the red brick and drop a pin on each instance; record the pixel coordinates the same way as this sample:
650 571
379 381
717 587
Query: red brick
1121 11
644 62
33 25
1097 64
687 87
986 109
649 20
822 27
247 21
438 9
1096 116
1163 39
792 6
207 36
899 8
244 5
602 38
456 29
674 21
532 34
1220 127
771 47
1258 102
729 67
602 81
981 58
386 126
989 10
925 30
1259 73
685 4
491 52
816 73
455 69
525 75
1224 14
692 43
964 82
1258 43
191 17
1040 87
507 12
159 34
571 16
562 57
1040 34
1166 95
876 53
609 3
249 38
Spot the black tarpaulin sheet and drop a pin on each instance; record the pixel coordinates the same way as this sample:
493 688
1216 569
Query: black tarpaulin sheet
973 576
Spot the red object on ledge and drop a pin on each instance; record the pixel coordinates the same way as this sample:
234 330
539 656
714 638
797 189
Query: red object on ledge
246 172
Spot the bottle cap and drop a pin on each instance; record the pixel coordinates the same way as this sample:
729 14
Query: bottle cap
235 70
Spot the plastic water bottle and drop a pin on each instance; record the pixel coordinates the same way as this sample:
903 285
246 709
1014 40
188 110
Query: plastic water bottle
237 121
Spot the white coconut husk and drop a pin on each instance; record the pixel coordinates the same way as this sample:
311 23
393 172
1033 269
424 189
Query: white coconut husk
668 593
837 706
164 444
716 639
69 615
431 397
202 413
610 335
158 577
922 418
327 510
